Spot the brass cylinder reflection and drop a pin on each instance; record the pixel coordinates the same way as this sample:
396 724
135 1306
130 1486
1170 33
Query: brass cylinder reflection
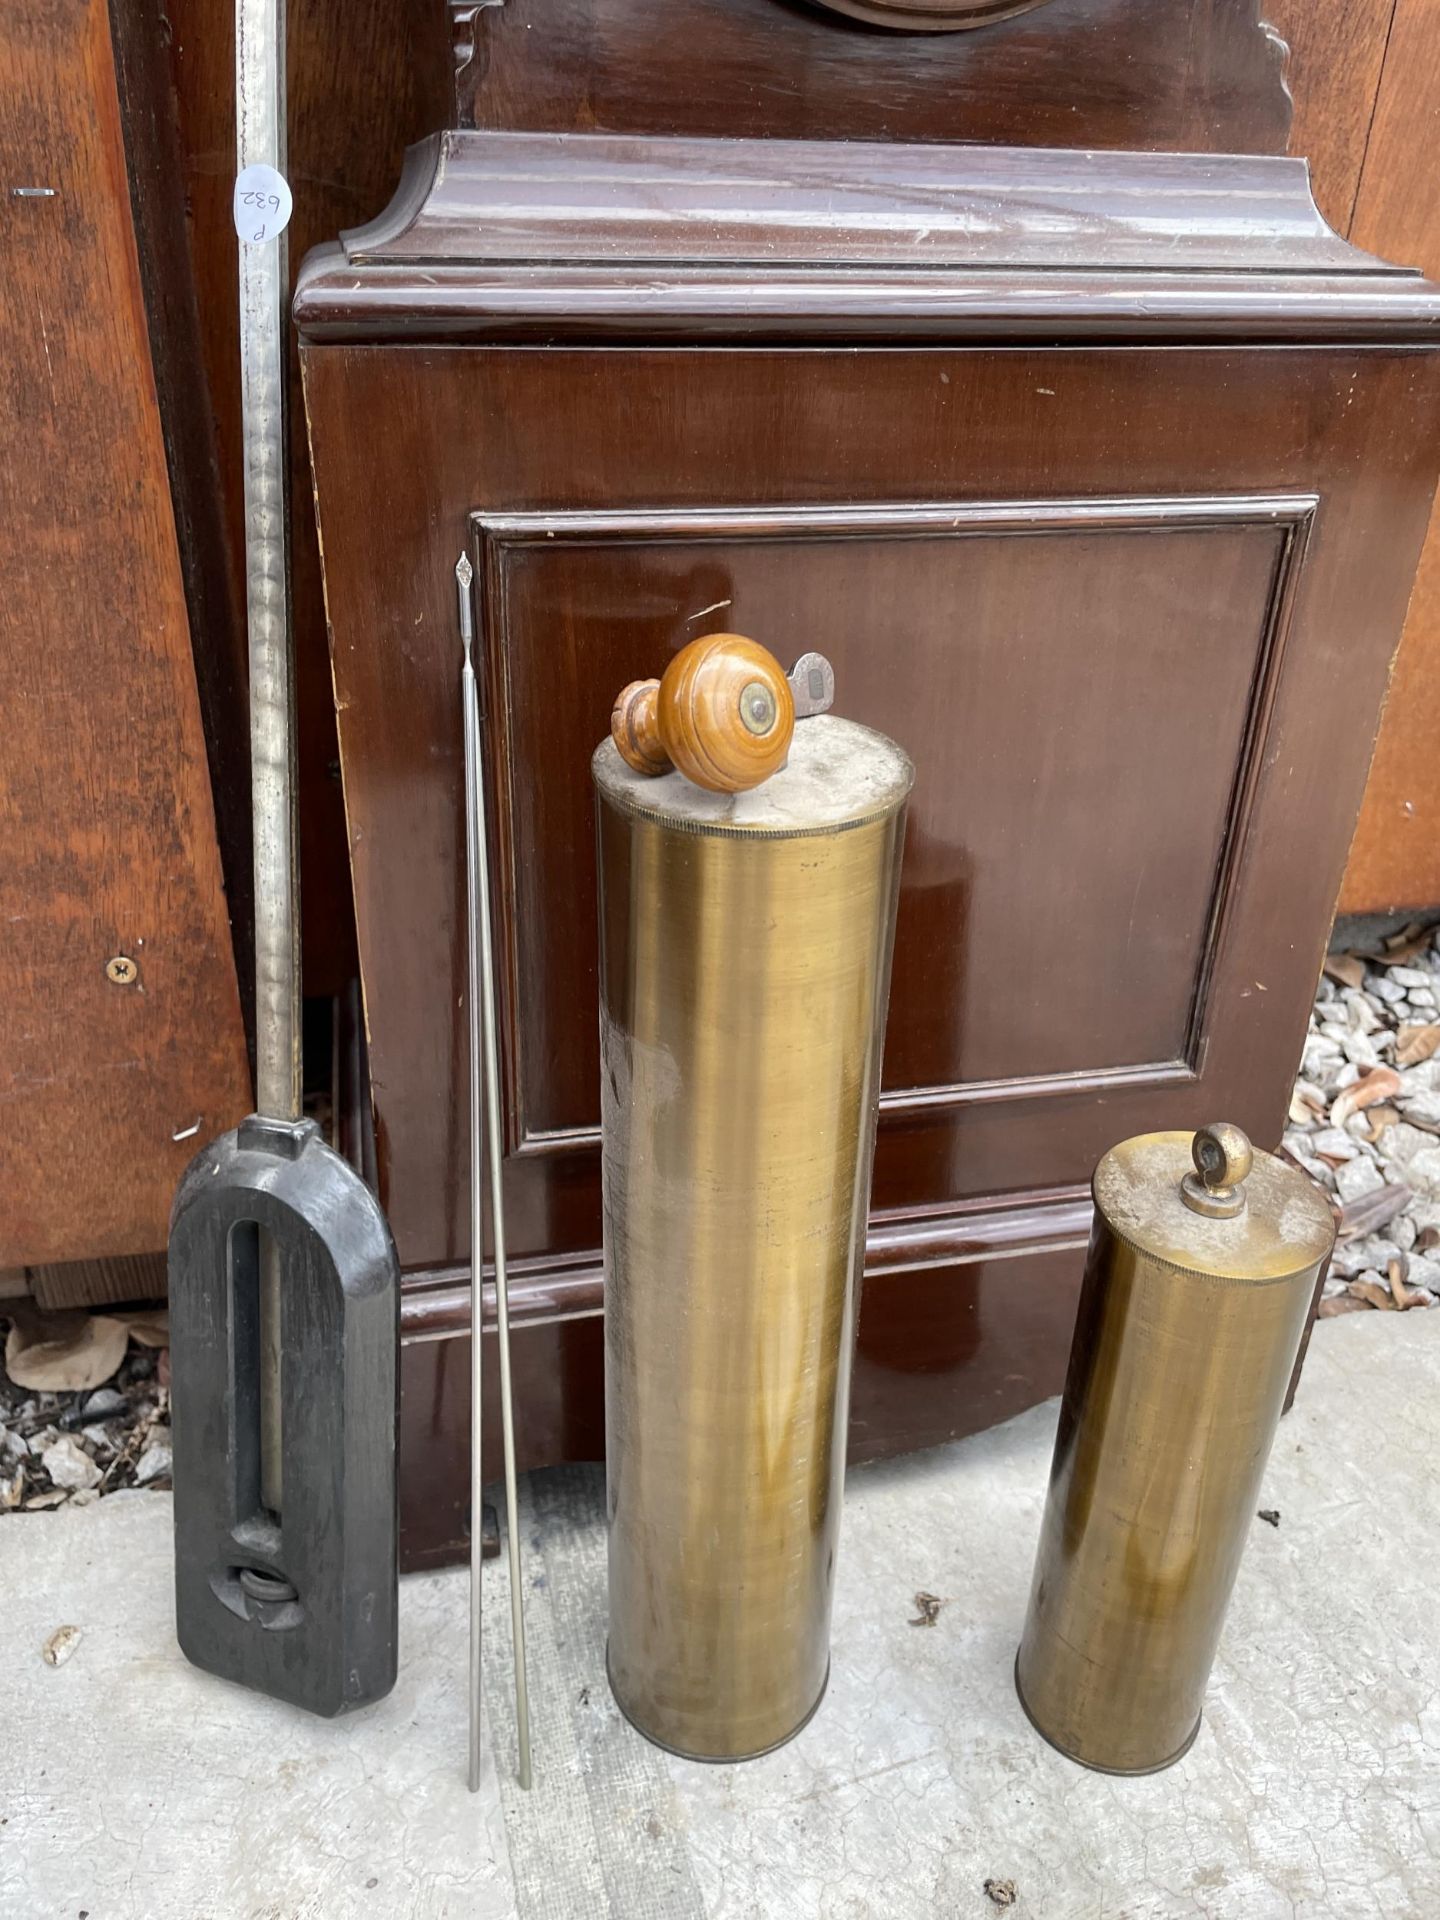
744 977
1184 1343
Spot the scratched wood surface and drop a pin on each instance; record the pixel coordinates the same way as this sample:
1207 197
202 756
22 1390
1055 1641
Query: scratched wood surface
107 832
1395 858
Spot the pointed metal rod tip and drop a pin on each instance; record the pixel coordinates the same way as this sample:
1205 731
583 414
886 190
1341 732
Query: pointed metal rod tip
464 575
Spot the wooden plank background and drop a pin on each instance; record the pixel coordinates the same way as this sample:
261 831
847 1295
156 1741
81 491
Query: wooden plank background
107 829
1395 858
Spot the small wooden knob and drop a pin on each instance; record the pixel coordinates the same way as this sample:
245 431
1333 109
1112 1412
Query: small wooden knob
724 715
635 727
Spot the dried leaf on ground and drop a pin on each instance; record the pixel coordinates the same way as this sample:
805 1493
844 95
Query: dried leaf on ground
1397 1272
1380 1118
1371 1211
63 1352
1427 1240
1403 947
59 1647
150 1326
1380 1083
56 1497
1373 1294
1341 1303
1414 1044
1346 968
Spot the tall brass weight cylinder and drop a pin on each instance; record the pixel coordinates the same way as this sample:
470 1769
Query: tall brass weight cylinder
745 958
1200 1278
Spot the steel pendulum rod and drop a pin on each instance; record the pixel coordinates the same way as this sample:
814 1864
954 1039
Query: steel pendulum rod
463 574
484 1055
260 141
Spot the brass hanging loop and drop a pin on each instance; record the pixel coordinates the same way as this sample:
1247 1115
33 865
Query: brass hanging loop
1223 1158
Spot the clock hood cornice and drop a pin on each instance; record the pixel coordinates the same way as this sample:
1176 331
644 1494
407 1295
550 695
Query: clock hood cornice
540 237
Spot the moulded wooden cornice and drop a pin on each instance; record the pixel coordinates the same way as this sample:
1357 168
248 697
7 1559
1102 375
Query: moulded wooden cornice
514 236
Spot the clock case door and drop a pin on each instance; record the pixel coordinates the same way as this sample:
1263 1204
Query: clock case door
1104 506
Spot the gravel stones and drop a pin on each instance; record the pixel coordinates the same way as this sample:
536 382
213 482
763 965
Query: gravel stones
153 1463
68 1464
1365 1120
69 1447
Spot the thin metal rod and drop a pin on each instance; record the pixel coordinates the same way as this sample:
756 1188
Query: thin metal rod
482 1005
260 96
477 1242
260 139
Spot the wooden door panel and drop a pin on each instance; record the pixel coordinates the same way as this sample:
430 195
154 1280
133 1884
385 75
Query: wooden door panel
1020 958
1199 677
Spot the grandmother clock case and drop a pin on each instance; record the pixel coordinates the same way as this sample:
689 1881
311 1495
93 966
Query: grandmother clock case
1100 474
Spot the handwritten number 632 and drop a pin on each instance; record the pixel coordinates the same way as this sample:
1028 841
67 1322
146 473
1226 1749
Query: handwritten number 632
270 202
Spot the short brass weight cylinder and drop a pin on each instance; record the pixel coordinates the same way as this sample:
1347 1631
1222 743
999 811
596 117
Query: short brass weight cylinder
1203 1263
745 960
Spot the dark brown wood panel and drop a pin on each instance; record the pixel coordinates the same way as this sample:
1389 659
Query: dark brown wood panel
940 1353
632 431
958 601
960 1348
107 832
1187 76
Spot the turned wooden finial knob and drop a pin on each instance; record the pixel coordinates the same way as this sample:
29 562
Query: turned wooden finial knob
635 727
724 715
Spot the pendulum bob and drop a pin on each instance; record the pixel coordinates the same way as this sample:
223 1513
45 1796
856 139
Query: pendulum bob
302 1602
1195 1297
745 959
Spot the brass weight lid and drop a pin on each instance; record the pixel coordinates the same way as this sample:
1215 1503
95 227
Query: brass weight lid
1208 1203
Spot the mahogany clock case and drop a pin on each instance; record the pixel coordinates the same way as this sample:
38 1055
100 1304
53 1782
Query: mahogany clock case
1103 503
1183 76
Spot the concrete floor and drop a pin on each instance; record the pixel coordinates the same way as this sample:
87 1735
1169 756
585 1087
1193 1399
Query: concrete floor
132 1786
